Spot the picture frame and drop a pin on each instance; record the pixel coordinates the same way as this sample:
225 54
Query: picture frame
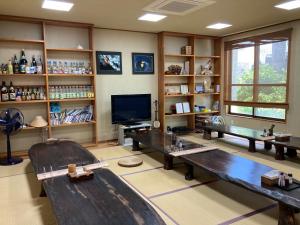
108 62
142 63
179 108
186 107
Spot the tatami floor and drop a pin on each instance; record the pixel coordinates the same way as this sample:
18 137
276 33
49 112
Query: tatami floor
203 201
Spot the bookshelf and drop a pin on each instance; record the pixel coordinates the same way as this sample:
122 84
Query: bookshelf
204 48
40 38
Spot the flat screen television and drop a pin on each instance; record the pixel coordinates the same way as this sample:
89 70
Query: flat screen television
130 109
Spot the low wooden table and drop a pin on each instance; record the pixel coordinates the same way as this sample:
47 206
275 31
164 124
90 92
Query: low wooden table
247 174
159 141
250 134
105 199
292 146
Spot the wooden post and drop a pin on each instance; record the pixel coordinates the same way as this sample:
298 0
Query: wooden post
268 145
252 147
190 172
279 152
286 215
168 162
290 152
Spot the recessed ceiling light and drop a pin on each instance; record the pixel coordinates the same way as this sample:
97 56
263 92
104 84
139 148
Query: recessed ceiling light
219 26
289 5
152 17
57 5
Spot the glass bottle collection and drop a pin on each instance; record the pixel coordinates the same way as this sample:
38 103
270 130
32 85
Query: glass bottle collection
67 67
71 91
22 66
21 94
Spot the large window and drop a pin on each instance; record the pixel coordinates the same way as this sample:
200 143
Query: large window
257 75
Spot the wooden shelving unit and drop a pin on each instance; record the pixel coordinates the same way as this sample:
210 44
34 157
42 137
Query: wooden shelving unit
172 55
40 39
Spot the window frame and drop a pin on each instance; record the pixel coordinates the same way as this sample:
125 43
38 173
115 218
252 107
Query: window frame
257 40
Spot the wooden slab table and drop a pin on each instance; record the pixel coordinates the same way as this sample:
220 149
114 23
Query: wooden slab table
292 146
250 134
105 199
247 174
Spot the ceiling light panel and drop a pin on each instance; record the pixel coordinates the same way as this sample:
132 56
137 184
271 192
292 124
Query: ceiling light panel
152 17
219 26
57 5
289 5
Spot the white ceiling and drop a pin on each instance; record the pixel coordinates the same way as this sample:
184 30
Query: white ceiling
123 14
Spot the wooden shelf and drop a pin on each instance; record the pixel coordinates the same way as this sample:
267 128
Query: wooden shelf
178 55
23 102
203 76
192 113
206 113
174 75
213 93
179 95
207 57
68 50
34 128
72 100
22 41
73 124
71 75
22 75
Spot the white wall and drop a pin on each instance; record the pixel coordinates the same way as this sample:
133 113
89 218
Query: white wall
127 83
293 121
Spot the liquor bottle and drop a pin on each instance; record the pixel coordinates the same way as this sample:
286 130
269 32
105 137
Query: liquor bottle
39 67
33 94
23 96
18 95
10 67
4 92
38 95
23 62
12 92
16 65
28 94
33 68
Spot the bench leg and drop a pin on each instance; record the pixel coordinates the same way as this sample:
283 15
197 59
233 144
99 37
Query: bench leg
190 172
43 192
286 215
168 162
290 152
279 152
268 145
207 134
135 145
252 145
220 135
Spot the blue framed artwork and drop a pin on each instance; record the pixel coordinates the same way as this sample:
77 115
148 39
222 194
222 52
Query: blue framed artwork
142 63
109 62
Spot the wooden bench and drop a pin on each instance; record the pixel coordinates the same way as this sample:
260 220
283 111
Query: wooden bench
105 199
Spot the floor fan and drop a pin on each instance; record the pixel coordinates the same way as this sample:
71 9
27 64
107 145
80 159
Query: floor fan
11 122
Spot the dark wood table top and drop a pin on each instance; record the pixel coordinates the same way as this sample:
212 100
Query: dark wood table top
159 140
236 131
105 199
294 142
243 172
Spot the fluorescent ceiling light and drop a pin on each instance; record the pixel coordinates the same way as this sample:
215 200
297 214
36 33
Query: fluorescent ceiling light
152 17
219 26
289 5
57 5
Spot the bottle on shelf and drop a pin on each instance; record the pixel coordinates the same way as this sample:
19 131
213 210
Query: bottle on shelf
24 93
23 62
12 92
4 92
16 65
33 67
10 67
18 95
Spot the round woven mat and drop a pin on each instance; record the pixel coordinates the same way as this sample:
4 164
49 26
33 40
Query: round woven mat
130 162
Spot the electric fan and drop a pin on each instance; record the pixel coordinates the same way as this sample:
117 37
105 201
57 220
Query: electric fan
11 122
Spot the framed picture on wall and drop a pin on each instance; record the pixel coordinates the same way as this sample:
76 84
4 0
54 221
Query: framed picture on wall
142 63
109 62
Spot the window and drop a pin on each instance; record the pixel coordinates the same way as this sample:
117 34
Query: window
257 75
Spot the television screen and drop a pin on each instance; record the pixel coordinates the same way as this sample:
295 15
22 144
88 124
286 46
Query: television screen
130 108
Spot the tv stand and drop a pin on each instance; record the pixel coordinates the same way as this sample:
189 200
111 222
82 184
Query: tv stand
123 129
131 123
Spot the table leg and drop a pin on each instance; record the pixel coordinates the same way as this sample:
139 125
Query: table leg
290 152
286 215
279 152
168 162
268 145
43 192
135 145
207 134
190 172
252 147
220 134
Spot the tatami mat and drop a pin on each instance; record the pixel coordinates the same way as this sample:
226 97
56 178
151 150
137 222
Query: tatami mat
202 201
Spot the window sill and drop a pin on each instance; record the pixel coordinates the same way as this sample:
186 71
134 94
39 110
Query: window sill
257 118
